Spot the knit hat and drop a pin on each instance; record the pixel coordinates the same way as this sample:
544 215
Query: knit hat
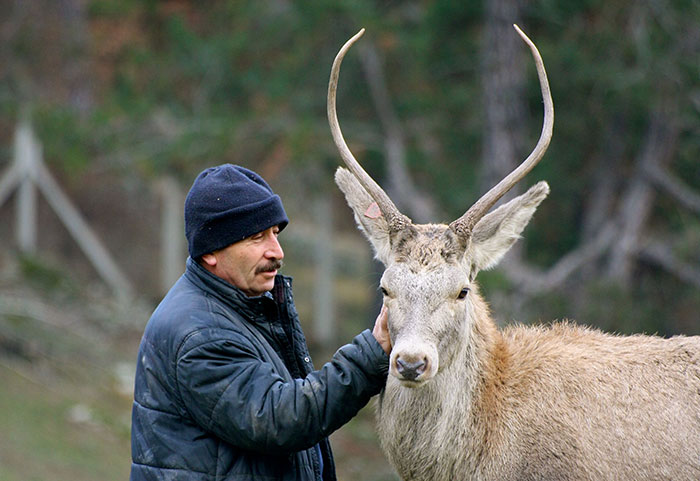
226 204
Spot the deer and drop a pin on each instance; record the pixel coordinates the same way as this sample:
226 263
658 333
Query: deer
468 400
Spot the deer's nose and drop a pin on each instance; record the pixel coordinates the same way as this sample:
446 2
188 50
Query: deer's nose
410 370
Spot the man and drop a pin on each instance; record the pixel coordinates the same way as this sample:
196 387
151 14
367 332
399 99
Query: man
225 388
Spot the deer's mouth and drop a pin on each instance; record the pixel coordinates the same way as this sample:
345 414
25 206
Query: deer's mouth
411 384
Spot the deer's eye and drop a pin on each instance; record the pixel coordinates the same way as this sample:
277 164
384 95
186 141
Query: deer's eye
463 293
384 291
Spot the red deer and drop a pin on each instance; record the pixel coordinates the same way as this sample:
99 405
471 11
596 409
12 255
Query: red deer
467 400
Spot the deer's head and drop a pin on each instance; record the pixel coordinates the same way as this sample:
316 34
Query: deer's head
431 268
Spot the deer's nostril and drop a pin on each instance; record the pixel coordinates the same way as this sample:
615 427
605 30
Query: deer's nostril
410 370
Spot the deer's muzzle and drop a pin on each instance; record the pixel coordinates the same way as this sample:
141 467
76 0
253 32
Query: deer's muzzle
414 364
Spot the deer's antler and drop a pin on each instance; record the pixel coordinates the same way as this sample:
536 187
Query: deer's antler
396 220
464 225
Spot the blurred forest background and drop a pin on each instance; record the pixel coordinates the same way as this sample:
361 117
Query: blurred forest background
130 99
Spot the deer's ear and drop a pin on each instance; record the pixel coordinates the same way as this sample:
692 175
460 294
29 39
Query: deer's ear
497 231
367 215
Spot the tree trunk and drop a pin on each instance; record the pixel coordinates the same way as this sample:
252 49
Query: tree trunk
400 186
637 200
503 81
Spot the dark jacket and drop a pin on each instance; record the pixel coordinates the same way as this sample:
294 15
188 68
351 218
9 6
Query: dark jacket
225 388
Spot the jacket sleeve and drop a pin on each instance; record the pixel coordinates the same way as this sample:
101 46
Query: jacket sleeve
231 392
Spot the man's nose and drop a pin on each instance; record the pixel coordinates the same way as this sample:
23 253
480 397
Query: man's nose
274 249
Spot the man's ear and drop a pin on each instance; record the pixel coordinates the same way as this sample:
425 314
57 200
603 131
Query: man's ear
209 259
367 215
497 231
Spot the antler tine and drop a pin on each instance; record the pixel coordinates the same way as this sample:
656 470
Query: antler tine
396 220
465 224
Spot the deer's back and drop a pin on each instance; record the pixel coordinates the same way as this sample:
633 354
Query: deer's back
580 404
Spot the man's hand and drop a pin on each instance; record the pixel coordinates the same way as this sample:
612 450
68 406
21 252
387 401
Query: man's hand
381 330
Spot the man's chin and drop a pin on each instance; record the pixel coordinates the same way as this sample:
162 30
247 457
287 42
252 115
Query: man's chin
267 280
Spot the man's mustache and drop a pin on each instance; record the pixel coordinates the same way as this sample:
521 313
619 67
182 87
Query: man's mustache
270 266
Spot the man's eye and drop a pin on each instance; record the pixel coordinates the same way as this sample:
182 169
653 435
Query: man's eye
463 293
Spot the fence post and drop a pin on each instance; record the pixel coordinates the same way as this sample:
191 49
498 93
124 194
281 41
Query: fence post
28 172
324 327
172 232
27 151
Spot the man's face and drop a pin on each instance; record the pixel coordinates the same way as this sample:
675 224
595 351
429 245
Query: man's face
250 264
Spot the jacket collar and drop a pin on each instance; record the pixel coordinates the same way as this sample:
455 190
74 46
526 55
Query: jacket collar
254 308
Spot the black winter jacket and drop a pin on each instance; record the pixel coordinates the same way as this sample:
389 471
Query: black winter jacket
225 388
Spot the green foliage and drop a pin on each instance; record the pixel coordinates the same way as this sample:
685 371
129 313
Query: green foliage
48 278
180 85
64 136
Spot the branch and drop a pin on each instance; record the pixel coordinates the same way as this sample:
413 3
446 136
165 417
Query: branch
531 281
662 255
638 198
674 187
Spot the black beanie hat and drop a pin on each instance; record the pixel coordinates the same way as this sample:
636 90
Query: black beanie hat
226 204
